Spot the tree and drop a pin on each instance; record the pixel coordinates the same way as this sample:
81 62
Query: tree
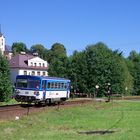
40 49
105 66
99 65
133 63
77 71
5 83
18 47
57 60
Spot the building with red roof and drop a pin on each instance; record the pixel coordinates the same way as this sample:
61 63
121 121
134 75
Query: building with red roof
25 64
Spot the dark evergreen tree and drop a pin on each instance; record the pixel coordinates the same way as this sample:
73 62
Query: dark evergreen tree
5 83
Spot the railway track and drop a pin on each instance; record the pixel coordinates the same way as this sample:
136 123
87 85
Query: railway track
10 112
10 107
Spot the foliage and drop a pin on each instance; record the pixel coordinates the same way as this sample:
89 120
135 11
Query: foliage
18 47
133 63
57 60
98 65
9 102
5 83
78 72
40 49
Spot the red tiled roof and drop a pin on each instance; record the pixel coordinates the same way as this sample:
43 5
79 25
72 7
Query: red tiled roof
20 61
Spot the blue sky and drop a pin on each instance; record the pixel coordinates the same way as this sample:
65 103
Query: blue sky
74 23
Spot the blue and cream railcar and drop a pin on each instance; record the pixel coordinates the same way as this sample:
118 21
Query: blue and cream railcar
41 89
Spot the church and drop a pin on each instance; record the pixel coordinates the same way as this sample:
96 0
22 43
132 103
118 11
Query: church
4 49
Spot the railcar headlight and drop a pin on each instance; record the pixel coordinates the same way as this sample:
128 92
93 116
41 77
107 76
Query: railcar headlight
17 91
36 93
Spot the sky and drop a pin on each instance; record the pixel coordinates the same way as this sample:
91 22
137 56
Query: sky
73 23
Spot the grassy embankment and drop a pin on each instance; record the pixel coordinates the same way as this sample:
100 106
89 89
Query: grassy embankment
64 124
12 101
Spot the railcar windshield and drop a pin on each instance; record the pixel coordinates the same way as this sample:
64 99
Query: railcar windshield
33 83
28 83
21 83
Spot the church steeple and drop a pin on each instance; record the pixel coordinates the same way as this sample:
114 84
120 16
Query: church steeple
0 30
2 42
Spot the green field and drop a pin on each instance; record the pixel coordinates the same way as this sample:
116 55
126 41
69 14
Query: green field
123 117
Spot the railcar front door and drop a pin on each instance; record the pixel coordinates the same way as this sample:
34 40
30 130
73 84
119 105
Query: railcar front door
44 89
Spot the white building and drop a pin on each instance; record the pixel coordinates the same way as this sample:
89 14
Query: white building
2 43
25 64
4 49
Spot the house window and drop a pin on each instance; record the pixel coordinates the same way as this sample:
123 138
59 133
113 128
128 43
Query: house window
44 73
38 73
40 64
25 72
35 64
31 63
33 72
43 65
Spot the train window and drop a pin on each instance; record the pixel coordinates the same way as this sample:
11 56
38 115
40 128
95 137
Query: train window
65 85
62 85
33 83
49 85
21 83
59 85
52 85
55 85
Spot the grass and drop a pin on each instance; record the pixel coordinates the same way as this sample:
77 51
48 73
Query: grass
64 124
12 101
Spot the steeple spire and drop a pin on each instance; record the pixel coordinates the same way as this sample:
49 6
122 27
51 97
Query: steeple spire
0 30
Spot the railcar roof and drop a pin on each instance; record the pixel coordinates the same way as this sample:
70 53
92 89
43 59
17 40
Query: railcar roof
42 77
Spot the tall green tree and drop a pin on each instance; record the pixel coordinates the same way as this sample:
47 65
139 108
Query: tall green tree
133 63
77 71
99 65
18 47
5 83
105 66
57 59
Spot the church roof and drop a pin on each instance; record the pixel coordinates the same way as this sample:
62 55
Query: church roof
8 48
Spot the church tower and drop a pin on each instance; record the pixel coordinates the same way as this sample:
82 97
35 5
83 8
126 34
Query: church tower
2 42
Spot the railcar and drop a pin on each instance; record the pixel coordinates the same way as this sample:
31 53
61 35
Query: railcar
39 89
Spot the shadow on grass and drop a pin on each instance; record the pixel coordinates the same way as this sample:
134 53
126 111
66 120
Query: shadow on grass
100 132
